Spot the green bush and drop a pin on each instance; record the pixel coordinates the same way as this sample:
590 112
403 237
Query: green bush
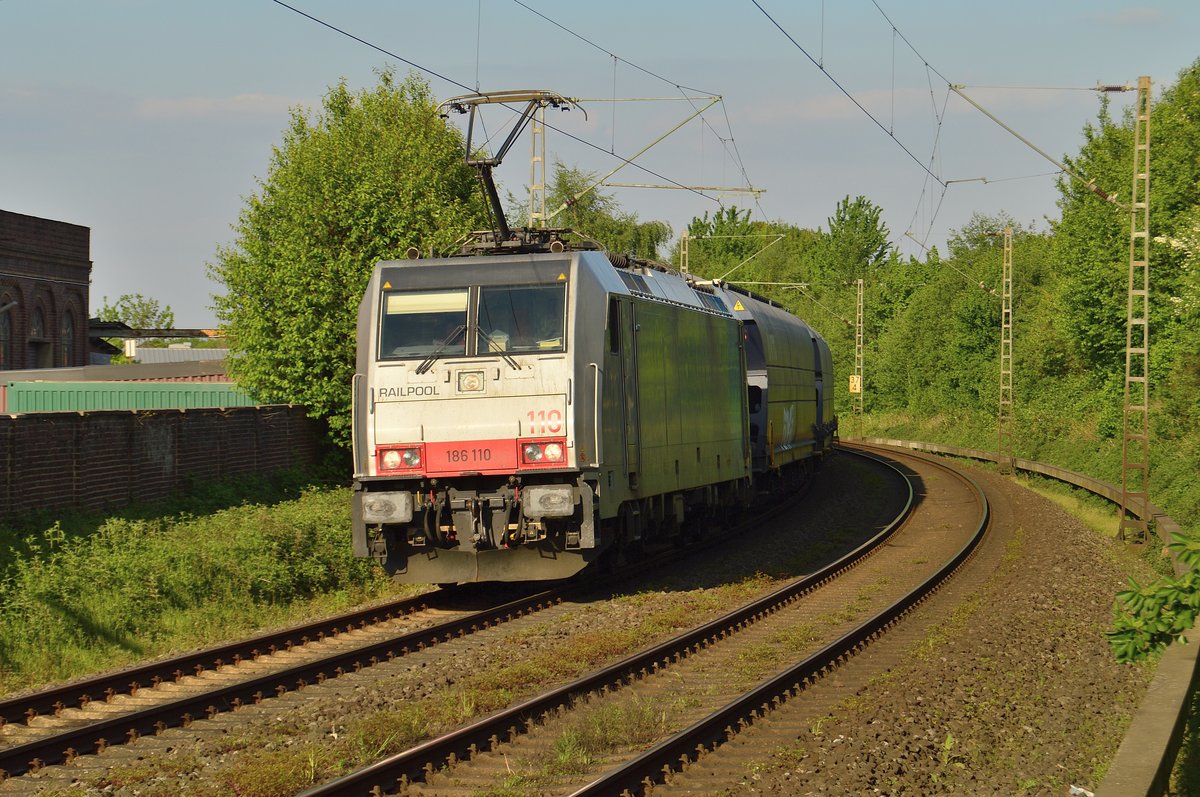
1147 619
136 587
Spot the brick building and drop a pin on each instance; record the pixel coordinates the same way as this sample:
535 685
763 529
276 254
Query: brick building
45 271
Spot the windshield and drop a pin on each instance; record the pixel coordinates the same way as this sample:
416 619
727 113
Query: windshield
509 318
417 323
526 318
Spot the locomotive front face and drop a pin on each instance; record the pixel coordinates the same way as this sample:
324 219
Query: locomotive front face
455 392
466 460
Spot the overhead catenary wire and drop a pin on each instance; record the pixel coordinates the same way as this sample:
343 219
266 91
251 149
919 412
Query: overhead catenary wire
465 87
842 89
957 89
726 142
904 38
940 118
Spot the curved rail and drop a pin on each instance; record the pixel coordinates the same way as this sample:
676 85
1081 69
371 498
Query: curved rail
688 744
415 763
64 746
1143 763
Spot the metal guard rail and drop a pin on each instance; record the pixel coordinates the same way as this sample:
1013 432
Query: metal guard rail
1143 763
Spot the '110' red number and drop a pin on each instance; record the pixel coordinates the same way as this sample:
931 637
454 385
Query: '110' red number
545 421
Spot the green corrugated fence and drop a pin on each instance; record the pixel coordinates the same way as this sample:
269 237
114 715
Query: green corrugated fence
80 396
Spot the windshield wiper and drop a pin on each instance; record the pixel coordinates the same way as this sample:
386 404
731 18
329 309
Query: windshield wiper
493 346
427 363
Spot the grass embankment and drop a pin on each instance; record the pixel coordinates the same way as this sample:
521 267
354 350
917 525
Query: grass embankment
87 593
1074 445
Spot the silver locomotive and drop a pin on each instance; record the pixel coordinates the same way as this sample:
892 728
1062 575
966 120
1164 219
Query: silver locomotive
517 415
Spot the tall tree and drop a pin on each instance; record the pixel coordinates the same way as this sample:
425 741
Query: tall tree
858 239
1092 238
374 173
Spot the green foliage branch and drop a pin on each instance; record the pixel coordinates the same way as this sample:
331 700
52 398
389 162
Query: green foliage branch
373 173
598 215
1148 618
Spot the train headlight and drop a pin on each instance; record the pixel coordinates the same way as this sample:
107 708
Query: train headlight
398 458
544 452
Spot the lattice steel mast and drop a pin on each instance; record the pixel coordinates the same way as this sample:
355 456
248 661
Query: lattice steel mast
856 380
1004 422
1135 450
537 168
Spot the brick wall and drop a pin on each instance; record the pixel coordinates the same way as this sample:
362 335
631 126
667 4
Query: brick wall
94 460
56 242
44 269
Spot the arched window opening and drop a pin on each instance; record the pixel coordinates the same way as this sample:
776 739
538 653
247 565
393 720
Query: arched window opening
40 353
67 341
5 339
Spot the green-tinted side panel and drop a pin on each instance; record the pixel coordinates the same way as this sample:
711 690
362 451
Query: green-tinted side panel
690 399
82 396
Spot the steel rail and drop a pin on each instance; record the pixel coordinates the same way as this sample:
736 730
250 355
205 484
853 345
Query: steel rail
673 753
128 681
68 744
416 763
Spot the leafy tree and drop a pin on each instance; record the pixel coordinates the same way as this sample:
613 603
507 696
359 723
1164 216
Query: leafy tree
373 173
857 243
138 312
1092 238
723 241
1181 411
598 215
755 254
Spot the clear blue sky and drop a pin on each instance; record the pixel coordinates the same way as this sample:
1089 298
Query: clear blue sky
150 121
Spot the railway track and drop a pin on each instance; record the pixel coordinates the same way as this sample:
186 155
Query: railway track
120 707
60 724
882 578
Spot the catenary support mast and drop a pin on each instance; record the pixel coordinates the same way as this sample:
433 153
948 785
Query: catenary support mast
1135 451
856 380
1004 423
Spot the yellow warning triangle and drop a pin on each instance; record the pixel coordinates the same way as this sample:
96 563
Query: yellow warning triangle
561 277
387 285
739 306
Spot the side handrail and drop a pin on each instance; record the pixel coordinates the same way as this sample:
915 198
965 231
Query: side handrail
1143 763
596 413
